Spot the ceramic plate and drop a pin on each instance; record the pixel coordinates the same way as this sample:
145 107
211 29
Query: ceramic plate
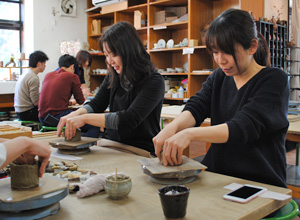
161 43
170 43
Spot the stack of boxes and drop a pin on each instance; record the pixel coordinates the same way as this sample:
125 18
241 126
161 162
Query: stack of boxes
169 14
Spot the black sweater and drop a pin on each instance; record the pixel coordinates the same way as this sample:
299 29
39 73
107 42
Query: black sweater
256 115
138 110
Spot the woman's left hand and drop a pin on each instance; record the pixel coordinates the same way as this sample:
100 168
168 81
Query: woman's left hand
174 146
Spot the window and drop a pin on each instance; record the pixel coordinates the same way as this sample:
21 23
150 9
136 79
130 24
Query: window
11 27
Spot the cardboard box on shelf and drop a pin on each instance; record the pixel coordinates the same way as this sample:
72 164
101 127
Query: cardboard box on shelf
139 19
105 28
170 19
178 11
193 43
114 7
96 27
159 17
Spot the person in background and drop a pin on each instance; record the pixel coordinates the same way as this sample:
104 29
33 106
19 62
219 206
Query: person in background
247 101
27 89
84 60
24 149
57 89
133 90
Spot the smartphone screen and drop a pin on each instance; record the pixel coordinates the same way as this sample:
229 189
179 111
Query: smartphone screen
244 194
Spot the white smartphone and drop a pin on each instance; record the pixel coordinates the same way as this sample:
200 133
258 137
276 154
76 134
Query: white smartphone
244 194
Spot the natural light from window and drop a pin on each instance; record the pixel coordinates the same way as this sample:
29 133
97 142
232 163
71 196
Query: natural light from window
10 27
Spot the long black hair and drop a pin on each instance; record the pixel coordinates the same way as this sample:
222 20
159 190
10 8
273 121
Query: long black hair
236 26
124 41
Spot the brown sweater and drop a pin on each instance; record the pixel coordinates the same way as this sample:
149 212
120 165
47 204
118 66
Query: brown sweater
57 89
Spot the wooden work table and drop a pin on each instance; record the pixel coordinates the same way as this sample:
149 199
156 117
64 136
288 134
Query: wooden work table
205 200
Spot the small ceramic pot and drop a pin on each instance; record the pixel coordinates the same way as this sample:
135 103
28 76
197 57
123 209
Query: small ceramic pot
118 189
24 176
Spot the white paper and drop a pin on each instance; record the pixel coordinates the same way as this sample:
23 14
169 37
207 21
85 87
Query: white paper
189 50
65 156
267 194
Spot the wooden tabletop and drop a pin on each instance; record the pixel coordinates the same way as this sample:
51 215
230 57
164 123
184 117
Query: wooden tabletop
205 200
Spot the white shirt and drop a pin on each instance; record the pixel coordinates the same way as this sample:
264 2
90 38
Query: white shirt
2 154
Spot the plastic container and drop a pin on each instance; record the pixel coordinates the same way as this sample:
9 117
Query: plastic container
180 92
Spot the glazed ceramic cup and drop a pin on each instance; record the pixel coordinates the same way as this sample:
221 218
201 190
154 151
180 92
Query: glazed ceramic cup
174 200
118 188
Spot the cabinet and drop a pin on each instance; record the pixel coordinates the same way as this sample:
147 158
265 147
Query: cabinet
277 41
199 13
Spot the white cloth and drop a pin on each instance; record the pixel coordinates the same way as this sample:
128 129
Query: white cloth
7 87
2 154
93 185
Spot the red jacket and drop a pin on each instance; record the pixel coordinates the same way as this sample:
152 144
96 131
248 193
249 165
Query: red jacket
57 89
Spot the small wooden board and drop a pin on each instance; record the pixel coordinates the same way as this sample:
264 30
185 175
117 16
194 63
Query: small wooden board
83 143
47 185
155 167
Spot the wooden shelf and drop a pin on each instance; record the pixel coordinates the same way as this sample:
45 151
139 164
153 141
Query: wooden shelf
177 99
174 74
169 2
17 67
172 26
200 12
97 54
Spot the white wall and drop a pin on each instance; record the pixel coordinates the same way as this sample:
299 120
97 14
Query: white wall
44 31
281 6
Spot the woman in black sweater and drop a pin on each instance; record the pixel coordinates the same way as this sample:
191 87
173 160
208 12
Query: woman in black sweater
247 101
133 90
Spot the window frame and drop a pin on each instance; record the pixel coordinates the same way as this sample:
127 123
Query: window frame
14 25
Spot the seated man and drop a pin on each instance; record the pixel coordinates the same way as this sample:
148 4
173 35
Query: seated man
27 88
57 89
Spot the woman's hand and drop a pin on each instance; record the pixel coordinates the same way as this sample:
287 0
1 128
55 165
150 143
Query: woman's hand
159 139
35 148
174 147
72 123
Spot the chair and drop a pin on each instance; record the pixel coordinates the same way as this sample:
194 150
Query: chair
30 122
46 128
287 212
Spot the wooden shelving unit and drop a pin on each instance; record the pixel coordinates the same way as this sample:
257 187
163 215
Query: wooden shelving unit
277 41
200 12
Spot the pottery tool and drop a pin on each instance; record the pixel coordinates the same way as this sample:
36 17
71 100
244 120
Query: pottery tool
76 147
33 203
182 174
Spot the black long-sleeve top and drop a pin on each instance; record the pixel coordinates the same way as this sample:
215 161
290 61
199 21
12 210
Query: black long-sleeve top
138 110
256 116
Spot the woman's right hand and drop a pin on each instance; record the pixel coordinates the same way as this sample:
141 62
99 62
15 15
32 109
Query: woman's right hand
160 138
62 123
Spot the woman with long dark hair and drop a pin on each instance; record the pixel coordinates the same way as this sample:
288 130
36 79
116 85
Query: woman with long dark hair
133 90
247 101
